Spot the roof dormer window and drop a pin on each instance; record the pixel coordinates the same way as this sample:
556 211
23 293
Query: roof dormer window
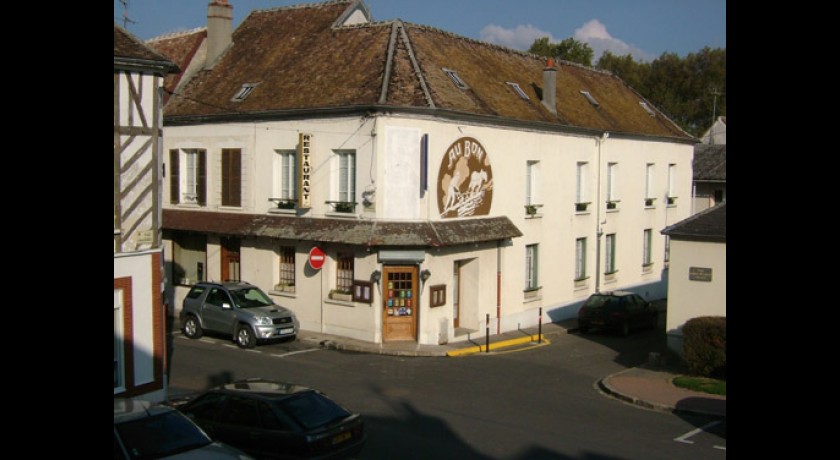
647 108
518 90
244 92
455 78
590 98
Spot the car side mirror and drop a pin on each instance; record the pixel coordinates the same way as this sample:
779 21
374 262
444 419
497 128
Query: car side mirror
226 306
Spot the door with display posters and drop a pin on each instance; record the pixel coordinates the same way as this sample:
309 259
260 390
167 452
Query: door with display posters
399 303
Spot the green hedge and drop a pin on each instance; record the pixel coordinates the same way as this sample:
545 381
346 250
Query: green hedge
704 346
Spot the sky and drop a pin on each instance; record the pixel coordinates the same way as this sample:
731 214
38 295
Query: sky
643 28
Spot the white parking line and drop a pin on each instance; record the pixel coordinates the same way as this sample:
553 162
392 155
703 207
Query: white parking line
684 438
283 355
720 447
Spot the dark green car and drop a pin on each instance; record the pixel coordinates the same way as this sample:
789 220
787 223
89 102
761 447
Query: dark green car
617 310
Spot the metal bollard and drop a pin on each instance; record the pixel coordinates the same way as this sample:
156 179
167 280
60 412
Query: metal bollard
539 328
487 335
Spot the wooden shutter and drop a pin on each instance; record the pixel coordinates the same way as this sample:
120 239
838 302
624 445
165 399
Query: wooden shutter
231 177
174 177
202 178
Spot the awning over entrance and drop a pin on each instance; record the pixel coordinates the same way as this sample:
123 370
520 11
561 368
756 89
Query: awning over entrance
369 233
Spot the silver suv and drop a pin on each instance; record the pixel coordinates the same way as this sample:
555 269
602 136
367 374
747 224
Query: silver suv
239 309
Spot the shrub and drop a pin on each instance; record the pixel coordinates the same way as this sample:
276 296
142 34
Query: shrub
704 346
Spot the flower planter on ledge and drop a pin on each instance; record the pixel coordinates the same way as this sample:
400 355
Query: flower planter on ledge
344 297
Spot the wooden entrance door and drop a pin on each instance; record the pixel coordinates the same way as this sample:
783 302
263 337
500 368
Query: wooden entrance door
230 259
399 303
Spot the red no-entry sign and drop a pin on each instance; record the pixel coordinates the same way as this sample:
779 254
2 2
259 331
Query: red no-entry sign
316 258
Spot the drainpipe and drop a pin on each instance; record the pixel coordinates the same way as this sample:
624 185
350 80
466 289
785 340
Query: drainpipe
499 287
600 231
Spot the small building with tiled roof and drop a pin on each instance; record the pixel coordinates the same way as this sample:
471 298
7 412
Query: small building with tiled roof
716 134
139 314
187 50
697 270
709 182
400 150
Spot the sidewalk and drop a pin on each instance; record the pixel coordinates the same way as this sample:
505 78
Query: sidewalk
476 342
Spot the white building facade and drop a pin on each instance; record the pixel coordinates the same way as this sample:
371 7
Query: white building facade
443 196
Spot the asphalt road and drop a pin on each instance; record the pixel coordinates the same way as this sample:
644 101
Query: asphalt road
534 404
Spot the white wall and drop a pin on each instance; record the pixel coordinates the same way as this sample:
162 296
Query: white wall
139 267
689 299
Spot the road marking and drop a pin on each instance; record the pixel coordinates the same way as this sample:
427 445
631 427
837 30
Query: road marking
720 447
684 438
208 341
283 355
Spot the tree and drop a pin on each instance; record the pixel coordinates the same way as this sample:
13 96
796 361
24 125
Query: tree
682 88
567 50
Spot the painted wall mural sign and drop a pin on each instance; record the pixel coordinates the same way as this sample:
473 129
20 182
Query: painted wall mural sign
465 180
305 170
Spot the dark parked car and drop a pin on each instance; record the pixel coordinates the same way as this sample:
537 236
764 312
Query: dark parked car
269 419
619 310
238 309
146 431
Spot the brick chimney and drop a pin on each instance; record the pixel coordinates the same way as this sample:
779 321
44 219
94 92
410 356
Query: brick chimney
219 24
549 99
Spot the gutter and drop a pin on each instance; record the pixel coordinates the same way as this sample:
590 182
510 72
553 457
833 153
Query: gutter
368 109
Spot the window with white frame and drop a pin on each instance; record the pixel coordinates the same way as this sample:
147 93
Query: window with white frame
287 269
532 182
580 192
285 173
609 255
119 363
456 79
531 267
346 184
580 259
612 186
672 183
647 250
649 184
188 176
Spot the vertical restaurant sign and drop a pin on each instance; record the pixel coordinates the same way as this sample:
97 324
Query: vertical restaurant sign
465 181
304 171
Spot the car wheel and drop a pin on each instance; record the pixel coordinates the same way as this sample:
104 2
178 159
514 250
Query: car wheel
654 323
191 327
245 336
625 328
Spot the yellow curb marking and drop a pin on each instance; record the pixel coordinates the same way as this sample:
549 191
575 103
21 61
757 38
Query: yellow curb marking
502 344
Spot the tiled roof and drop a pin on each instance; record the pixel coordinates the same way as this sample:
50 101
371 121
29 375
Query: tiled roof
130 49
707 225
710 162
371 233
301 62
180 48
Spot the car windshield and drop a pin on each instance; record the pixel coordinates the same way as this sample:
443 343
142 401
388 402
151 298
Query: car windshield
250 298
601 301
161 435
312 410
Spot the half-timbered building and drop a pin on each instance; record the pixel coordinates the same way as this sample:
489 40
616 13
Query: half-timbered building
139 314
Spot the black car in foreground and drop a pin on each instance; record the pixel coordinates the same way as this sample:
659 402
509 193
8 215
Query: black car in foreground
618 310
278 420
